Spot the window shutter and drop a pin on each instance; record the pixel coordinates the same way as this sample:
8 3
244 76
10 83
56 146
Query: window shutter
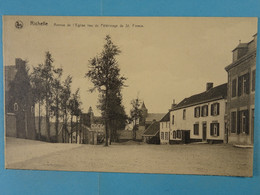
217 108
211 129
207 109
234 85
247 83
211 110
238 121
199 112
240 80
217 129
195 112
194 129
247 121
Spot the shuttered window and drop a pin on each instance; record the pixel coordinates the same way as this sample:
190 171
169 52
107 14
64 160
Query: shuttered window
204 110
162 135
234 88
179 134
214 129
197 112
233 122
196 129
253 80
215 109
166 136
243 84
174 134
173 119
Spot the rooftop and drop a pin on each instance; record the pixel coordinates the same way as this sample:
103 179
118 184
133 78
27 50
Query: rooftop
166 118
153 129
218 92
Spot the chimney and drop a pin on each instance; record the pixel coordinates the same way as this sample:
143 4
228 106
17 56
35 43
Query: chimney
173 104
209 86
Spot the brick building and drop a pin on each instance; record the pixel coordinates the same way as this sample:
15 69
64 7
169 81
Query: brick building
241 93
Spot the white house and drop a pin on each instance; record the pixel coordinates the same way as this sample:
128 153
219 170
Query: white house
165 129
200 117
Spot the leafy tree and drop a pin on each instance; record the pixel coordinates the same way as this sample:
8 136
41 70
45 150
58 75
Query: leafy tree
135 114
37 90
65 97
75 110
56 103
105 75
48 74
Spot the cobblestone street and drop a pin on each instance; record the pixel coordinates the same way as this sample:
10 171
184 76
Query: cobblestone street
203 159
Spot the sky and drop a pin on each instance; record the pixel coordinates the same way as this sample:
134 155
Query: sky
163 58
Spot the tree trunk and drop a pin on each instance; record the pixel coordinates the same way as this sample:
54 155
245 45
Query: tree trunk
134 131
48 121
76 129
71 128
57 120
40 135
106 119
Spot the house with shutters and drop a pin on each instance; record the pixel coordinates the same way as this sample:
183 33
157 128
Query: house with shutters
241 93
165 129
200 117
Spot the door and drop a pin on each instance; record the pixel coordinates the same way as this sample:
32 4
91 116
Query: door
204 131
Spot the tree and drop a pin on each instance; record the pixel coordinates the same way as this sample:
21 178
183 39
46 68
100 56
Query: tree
37 90
56 103
48 74
65 97
135 114
75 110
104 73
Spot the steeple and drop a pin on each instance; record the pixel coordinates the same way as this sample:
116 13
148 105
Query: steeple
144 110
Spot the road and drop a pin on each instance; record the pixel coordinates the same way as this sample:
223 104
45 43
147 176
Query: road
202 159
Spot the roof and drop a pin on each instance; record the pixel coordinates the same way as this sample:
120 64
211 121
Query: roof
154 117
153 129
166 118
241 45
219 92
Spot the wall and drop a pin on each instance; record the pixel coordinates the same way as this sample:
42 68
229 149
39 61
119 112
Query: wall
245 101
164 128
180 124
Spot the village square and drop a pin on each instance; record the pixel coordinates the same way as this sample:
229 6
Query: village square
209 132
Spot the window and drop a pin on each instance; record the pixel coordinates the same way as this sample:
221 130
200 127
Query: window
162 135
173 119
196 129
243 84
174 134
32 109
162 125
184 114
197 112
179 134
234 88
215 109
15 107
242 122
233 122
166 136
253 80
214 129
204 111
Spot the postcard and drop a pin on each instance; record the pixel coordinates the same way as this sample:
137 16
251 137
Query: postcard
166 95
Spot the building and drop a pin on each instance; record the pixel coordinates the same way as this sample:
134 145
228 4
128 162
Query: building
200 117
19 105
146 120
151 134
165 129
241 93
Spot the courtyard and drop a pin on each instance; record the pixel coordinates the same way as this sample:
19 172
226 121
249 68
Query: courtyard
133 157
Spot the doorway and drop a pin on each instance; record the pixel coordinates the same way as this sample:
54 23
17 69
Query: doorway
204 131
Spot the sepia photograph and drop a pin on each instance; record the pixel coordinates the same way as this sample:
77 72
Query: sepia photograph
164 95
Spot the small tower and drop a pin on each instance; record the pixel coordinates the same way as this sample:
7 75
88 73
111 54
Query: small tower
91 114
144 114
